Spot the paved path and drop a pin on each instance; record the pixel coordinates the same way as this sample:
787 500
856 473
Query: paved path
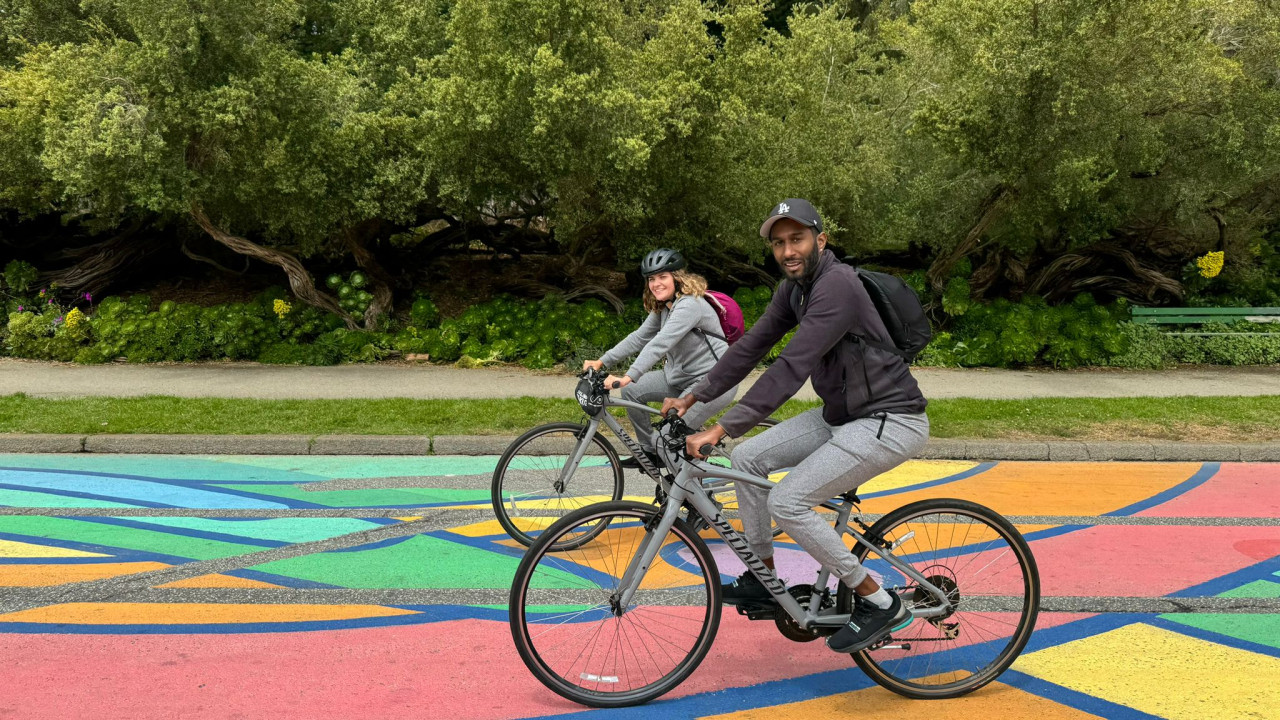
251 380
299 587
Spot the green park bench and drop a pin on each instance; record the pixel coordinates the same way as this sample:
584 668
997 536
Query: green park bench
1200 316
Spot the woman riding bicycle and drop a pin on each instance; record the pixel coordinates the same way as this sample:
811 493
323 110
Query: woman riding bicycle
681 327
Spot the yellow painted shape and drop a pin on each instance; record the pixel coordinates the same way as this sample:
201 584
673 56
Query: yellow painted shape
407 519
914 472
15 549
996 700
193 613
48 575
1163 673
1041 488
925 541
218 581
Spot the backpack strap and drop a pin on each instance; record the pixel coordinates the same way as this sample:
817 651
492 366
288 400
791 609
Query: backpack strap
707 340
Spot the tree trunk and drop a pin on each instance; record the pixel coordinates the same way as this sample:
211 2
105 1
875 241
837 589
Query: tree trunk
380 279
991 209
96 266
299 279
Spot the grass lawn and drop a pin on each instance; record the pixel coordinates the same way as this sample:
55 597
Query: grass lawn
1190 419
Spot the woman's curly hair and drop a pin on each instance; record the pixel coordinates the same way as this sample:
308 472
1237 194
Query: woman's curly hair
687 283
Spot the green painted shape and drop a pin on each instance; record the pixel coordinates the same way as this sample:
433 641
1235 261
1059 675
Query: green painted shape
1261 629
114 536
418 562
360 466
370 498
1255 589
213 468
27 499
289 530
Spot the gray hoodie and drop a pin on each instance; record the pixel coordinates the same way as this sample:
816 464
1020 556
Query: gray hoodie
853 379
670 332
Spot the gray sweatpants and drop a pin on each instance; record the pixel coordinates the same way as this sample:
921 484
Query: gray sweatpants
653 387
826 460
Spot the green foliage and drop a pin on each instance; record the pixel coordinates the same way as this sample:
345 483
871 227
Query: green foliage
1007 334
424 314
19 277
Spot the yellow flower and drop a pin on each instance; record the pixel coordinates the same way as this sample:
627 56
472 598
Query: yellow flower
281 308
74 318
1211 264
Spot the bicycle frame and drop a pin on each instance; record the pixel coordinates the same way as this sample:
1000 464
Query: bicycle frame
613 424
693 485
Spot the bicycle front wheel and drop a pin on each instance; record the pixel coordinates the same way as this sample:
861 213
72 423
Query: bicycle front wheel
565 615
531 488
985 567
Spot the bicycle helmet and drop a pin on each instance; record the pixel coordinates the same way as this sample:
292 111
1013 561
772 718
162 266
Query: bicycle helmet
661 260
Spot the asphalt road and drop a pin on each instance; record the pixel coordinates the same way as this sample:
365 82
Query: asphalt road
136 586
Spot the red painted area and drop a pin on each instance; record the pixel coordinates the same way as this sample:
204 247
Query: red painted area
465 668
1236 490
1145 560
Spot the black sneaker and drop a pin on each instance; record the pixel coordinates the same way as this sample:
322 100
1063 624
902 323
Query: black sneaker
869 625
630 463
746 590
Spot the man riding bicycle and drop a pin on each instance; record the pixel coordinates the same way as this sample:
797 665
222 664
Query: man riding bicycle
872 418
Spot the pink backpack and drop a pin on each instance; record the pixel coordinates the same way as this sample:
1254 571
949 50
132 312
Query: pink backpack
731 322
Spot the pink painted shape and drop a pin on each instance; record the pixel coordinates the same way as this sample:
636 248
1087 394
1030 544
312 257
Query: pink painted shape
1145 560
1237 490
464 668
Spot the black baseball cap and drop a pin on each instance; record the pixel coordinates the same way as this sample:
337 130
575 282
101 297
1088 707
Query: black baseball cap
797 209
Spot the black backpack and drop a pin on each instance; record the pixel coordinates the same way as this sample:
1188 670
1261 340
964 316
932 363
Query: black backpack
901 311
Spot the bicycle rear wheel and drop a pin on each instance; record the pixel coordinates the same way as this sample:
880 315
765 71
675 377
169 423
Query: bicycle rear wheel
529 490
564 615
987 570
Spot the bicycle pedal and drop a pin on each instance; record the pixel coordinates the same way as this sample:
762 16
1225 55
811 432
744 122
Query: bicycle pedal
758 611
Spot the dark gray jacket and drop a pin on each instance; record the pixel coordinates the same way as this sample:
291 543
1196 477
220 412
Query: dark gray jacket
853 380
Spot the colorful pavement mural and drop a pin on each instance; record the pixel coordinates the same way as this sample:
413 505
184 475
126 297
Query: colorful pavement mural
343 587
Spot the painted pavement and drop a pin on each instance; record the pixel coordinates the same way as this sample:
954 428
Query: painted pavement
335 587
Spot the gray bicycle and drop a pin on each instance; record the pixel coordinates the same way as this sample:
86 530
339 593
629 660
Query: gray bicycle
617 603
557 468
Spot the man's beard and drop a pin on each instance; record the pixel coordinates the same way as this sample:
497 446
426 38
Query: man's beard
808 268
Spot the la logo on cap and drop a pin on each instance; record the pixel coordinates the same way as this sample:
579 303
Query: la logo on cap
782 208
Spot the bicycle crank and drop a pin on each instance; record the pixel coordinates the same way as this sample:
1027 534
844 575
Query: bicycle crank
792 630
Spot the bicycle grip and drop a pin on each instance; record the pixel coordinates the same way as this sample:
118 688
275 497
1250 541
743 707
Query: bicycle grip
705 450
617 384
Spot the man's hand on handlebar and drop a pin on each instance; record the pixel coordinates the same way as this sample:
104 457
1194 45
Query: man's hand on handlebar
613 382
681 405
592 365
694 443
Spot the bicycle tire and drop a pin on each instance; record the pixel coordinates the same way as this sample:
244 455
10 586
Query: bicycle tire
563 586
505 503
882 666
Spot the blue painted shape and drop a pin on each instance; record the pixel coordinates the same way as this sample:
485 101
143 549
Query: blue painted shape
151 492
1073 698
1201 476
31 499
1231 581
176 468
1213 637
282 530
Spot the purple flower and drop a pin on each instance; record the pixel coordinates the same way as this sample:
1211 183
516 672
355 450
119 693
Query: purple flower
88 296
50 301
19 308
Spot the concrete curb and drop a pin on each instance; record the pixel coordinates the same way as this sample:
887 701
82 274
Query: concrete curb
937 449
